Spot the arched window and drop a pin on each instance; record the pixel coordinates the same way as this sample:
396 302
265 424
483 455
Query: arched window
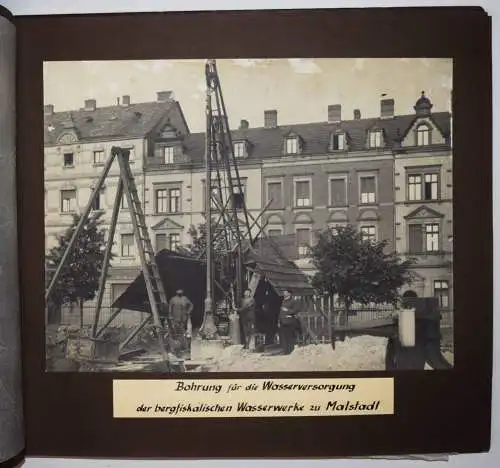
423 135
410 293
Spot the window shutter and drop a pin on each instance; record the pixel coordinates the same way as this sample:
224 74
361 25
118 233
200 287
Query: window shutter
415 238
302 189
368 185
161 242
337 187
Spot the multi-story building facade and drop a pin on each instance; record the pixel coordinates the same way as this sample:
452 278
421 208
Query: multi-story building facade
175 186
77 146
331 173
423 201
390 176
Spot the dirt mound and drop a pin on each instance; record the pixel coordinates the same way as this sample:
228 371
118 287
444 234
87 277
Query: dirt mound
354 354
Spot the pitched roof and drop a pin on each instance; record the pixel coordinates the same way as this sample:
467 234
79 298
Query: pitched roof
134 120
273 260
268 142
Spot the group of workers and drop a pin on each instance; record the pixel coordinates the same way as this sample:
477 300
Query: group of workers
180 309
289 326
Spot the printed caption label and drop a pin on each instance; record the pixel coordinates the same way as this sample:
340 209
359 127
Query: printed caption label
214 398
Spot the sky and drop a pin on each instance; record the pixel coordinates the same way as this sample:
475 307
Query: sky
299 89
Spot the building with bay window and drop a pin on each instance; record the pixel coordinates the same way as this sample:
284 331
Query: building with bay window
423 179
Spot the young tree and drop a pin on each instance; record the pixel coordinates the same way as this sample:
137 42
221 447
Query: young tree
78 280
198 245
357 270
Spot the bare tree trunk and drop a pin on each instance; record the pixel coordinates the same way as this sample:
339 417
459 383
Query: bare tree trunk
81 314
345 312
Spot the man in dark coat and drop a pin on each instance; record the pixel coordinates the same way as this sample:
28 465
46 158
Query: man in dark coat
289 325
247 317
179 309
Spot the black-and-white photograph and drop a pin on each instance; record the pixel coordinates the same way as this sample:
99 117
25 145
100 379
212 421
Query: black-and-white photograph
248 215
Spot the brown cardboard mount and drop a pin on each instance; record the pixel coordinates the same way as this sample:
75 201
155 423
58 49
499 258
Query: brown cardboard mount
78 407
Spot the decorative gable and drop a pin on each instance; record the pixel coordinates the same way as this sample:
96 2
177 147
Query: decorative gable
368 215
67 138
424 212
168 132
275 219
167 224
303 218
423 132
338 216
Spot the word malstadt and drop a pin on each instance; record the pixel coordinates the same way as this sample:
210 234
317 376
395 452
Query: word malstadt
252 398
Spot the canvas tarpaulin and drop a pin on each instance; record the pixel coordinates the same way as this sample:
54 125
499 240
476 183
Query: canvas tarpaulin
268 259
177 271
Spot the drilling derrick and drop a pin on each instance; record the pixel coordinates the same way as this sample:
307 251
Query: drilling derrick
226 216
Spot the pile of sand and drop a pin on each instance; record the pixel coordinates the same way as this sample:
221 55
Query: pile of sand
353 354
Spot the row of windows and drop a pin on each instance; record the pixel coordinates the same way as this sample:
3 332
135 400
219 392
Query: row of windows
171 241
293 144
338 196
168 200
423 238
375 140
98 157
421 187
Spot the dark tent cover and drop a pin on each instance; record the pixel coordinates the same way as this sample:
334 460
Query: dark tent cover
177 271
268 258
182 271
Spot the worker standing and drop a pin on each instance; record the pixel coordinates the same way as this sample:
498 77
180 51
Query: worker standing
247 317
180 309
289 325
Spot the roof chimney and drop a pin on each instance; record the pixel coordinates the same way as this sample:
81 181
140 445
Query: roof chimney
271 118
164 96
90 105
387 108
48 109
334 113
244 125
126 100
357 114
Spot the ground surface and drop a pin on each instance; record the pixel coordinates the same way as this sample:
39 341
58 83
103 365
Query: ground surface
360 353
363 353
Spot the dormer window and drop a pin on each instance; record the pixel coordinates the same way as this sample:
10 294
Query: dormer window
375 139
239 149
169 154
291 145
423 134
337 141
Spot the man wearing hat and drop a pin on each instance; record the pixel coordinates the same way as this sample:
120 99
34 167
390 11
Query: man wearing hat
179 309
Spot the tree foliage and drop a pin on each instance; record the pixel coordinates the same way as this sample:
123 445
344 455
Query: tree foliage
358 270
198 244
78 280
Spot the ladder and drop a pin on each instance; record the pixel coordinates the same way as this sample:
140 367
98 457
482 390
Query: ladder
154 285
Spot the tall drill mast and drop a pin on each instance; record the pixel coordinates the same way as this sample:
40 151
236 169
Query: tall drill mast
225 207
